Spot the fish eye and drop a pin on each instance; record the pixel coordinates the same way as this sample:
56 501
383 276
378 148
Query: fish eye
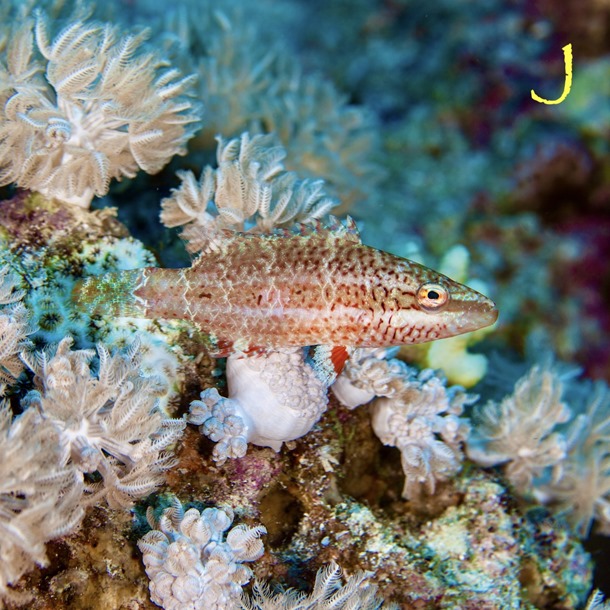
432 297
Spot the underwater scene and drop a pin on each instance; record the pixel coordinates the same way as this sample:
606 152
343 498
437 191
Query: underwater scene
304 305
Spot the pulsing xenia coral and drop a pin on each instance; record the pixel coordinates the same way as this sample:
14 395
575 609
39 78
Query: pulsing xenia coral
87 106
412 411
249 189
580 485
249 81
109 424
551 439
39 497
328 593
13 328
520 432
192 564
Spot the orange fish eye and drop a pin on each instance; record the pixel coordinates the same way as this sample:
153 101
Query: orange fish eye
432 297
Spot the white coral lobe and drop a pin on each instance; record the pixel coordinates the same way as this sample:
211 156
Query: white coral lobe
274 397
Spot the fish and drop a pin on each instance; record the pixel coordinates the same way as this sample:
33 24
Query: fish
316 287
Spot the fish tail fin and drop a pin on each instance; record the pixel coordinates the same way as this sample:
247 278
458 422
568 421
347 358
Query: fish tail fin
111 294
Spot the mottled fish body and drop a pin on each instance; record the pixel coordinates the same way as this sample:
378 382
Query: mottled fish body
323 288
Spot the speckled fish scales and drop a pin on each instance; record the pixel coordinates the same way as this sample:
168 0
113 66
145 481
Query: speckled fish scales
256 291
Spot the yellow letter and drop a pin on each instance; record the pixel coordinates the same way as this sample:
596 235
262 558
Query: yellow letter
567 58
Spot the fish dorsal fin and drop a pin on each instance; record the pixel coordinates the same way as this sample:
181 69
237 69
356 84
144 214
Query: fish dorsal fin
216 243
218 240
349 229
333 227
203 239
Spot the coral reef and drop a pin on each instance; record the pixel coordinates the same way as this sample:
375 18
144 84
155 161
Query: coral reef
380 486
49 246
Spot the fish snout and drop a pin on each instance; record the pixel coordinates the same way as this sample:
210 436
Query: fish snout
479 313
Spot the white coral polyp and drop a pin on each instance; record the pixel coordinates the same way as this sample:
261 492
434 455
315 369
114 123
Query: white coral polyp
189 563
87 107
367 374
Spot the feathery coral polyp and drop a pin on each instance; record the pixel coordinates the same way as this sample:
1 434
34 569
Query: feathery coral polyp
39 497
13 328
109 424
249 187
87 106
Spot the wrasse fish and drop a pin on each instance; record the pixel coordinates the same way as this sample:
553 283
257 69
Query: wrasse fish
322 288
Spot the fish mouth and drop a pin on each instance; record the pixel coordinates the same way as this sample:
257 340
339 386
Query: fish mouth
483 313
488 310
471 316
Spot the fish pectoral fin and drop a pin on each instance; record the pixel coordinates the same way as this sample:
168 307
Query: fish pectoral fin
222 348
339 356
218 348
328 361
